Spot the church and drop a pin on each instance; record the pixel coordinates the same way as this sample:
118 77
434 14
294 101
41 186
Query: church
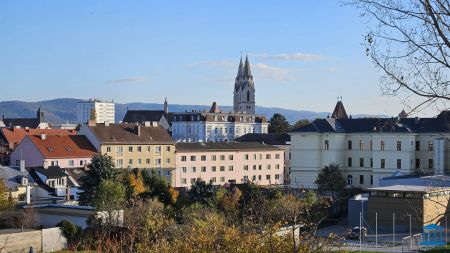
216 125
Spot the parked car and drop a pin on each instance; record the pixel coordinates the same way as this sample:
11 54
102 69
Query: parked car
355 232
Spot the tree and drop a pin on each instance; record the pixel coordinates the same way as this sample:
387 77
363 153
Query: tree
101 168
278 124
134 183
201 192
300 123
409 41
110 195
157 187
93 115
330 179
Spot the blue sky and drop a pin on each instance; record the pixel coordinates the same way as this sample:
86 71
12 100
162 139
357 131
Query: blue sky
303 53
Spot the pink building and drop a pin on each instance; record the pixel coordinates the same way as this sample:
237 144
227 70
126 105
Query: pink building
65 151
221 163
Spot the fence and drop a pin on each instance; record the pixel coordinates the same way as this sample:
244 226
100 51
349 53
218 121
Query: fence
411 243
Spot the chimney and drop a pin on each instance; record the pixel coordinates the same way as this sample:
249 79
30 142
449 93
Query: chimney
22 166
43 137
28 195
137 130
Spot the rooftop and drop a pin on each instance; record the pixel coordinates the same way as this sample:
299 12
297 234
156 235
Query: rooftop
271 139
131 134
14 135
70 146
408 188
141 116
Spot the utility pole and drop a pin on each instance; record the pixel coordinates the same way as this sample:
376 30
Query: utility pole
376 230
393 231
360 218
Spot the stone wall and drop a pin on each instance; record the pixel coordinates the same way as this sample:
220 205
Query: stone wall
45 240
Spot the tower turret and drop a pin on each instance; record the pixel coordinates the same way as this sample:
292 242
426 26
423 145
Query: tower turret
244 89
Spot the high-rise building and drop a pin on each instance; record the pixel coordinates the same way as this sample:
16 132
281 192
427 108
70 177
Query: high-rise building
104 111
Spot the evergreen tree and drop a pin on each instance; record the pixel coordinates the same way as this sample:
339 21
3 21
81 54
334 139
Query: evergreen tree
93 114
330 179
278 124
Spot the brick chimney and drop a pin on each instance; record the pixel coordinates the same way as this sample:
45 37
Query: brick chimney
137 130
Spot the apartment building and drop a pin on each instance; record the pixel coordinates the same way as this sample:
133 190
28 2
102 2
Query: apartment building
142 146
104 111
367 149
228 163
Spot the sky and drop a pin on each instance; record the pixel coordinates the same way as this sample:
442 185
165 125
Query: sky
304 54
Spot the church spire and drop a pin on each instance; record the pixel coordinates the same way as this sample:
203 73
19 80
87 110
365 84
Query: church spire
247 71
240 69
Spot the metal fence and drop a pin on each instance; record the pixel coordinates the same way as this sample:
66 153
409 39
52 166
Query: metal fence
411 243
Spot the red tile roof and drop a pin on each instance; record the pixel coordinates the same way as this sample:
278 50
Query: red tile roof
15 135
69 146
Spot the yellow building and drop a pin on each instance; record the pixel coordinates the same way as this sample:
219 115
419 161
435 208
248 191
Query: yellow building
142 146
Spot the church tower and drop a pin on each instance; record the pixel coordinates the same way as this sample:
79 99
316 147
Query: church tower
244 89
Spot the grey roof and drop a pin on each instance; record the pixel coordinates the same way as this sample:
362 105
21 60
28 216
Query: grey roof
339 111
23 122
271 138
408 188
12 176
223 146
440 123
141 116
131 134
51 172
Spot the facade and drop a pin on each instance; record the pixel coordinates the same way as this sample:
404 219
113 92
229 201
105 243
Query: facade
282 141
367 149
33 123
228 163
215 125
134 146
104 111
244 89
420 205
70 151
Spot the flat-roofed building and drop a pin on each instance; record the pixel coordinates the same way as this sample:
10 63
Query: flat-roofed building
228 163
420 205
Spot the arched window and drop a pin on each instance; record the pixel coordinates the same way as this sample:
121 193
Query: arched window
350 179
248 96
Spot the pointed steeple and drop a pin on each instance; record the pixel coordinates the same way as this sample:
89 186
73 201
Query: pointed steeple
339 111
240 69
214 108
166 106
403 114
247 71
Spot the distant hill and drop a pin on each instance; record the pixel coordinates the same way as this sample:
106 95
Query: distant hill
63 110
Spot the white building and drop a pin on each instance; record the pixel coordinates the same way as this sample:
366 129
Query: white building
104 111
215 126
218 126
367 149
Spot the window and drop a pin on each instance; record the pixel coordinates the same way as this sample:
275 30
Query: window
361 145
168 148
158 149
193 158
222 157
147 161
213 179
371 162
139 161
267 156
361 162
119 150
417 163
277 166
259 177
213 168
119 163
203 169
254 177
254 167
71 163
108 149
148 148
430 145
349 163
222 168
267 177
382 145
139 149
213 158
383 163
192 180
130 161
81 162
277 156
203 158
158 162
277 176
184 169
371 179
246 157
349 144
254 156
430 163
260 156
245 167
260 167
168 160
399 163
268 166
399 146
361 179
350 179
183 181
130 149
327 145
230 168
194 169
417 145
222 179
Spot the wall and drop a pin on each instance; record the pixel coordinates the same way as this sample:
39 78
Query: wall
27 151
45 240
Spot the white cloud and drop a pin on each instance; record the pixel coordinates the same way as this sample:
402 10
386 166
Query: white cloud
292 57
128 80
272 72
